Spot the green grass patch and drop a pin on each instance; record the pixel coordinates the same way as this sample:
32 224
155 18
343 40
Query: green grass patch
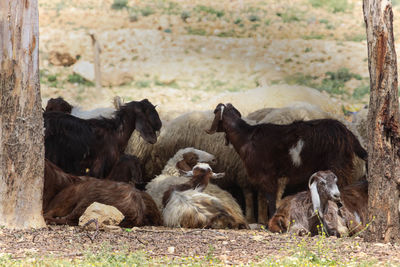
333 82
195 31
361 91
76 78
254 18
119 4
230 33
147 11
334 6
314 36
356 37
142 84
210 10
289 16
301 79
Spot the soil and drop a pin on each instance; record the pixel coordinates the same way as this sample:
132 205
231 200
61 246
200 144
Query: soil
229 246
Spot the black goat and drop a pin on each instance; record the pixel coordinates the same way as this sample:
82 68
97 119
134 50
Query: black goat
76 145
295 150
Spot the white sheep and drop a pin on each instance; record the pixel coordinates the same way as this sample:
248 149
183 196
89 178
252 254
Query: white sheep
276 96
185 205
184 160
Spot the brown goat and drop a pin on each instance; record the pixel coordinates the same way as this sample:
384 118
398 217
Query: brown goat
295 150
56 180
353 211
305 211
138 207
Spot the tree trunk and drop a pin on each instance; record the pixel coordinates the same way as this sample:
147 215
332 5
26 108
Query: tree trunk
21 121
383 124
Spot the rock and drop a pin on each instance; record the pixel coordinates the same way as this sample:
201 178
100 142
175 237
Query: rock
171 250
85 69
105 215
61 59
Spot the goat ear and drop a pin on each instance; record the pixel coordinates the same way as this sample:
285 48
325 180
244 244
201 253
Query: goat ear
183 166
214 126
145 129
315 198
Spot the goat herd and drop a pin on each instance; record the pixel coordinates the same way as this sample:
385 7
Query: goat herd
167 178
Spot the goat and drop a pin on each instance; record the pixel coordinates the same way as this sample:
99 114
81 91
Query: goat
70 203
352 213
75 144
184 160
185 205
294 151
304 212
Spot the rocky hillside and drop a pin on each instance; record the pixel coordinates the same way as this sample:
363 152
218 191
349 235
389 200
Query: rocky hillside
179 54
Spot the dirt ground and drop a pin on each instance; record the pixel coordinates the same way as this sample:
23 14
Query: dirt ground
227 246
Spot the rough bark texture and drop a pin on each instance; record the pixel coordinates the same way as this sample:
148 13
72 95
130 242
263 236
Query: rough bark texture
383 124
21 122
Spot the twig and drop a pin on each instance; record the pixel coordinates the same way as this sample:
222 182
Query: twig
34 237
97 229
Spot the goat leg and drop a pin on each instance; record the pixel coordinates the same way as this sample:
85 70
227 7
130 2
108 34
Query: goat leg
248 198
262 208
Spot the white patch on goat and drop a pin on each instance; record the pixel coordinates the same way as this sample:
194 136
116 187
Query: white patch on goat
203 166
222 112
295 151
357 217
315 198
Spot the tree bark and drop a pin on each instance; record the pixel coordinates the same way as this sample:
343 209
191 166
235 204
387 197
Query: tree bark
21 121
383 124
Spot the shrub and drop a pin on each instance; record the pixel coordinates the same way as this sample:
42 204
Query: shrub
119 4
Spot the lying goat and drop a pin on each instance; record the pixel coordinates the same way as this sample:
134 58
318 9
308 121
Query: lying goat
305 212
185 205
70 203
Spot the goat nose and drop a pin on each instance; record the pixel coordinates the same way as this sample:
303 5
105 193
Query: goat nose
336 195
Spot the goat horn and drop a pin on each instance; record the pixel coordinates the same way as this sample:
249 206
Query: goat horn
218 175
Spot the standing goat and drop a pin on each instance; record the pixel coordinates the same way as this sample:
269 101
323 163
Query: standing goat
75 144
294 151
185 205
305 211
